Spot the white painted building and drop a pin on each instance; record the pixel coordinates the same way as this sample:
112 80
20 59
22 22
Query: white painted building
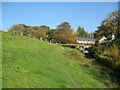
85 41
102 39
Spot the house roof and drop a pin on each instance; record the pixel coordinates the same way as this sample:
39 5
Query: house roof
85 39
107 41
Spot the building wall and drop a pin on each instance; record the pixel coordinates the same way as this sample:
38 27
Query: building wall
85 42
102 39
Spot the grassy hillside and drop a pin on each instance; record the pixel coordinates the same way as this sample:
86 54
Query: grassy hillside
32 63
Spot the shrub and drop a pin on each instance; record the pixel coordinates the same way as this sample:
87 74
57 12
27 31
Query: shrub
107 61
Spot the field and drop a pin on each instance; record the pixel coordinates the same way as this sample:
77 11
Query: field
31 63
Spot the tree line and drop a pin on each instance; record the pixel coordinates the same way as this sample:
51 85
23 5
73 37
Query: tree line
63 33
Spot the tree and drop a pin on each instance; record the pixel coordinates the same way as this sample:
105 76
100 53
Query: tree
50 34
17 29
41 34
64 34
81 32
64 26
68 36
31 32
46 28
109 26
41 31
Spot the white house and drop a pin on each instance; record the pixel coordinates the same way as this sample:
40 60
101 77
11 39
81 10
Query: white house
85 40
102 39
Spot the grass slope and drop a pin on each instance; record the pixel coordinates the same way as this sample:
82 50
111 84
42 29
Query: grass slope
30 63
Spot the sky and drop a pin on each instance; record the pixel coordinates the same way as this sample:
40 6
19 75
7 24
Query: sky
85 14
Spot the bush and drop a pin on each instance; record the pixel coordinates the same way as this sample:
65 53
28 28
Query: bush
77 55
92 51
107 61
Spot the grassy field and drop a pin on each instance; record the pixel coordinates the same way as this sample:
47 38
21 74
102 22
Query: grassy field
31 63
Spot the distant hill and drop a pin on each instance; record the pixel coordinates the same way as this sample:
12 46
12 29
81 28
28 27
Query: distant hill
31 63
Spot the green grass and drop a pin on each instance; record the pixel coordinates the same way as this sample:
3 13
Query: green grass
30 63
